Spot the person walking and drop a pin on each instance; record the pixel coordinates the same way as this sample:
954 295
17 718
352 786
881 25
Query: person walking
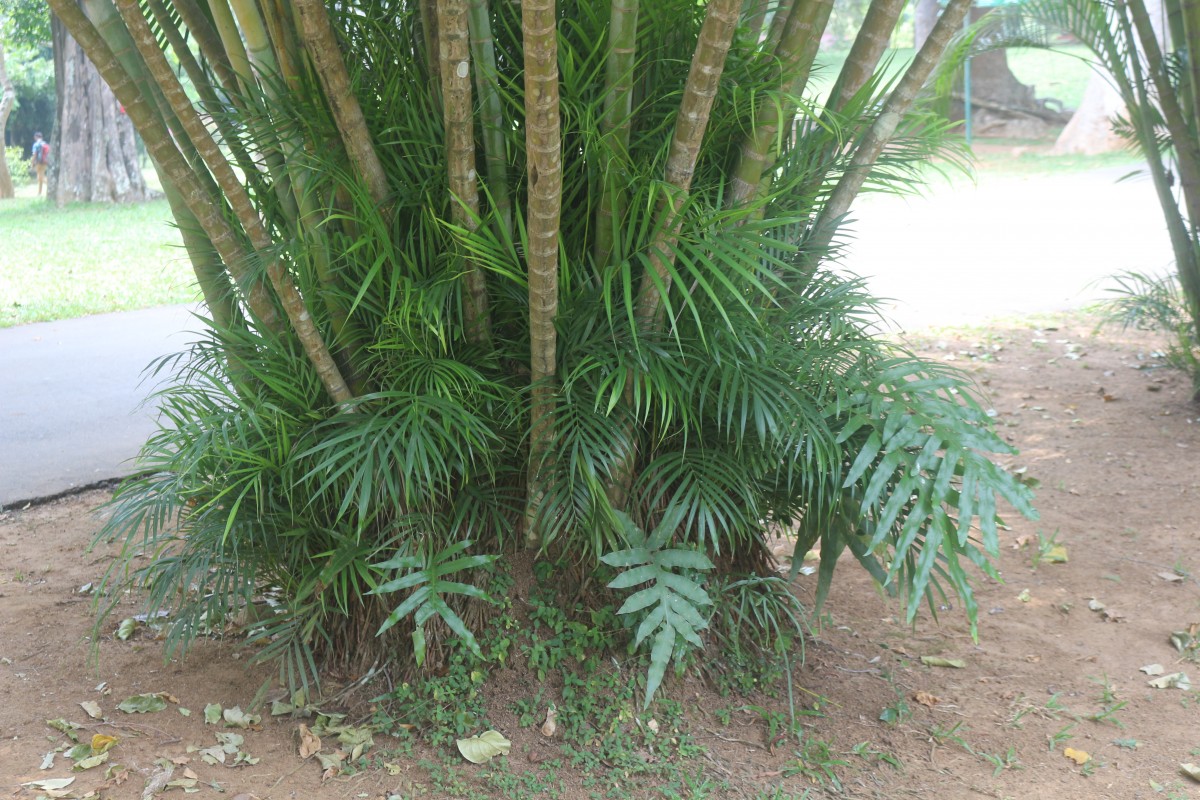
40 152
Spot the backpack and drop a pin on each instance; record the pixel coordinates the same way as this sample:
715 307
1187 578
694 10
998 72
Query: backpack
41 154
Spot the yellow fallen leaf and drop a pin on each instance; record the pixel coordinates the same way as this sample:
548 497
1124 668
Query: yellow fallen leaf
102 743
1080 757
927 699
1055 555
1191 770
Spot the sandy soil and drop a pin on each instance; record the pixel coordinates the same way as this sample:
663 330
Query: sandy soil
1112 441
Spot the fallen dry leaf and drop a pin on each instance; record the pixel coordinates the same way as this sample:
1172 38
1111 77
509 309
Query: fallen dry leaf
1080 757
92 708
1191 770
937 661
1112 615
550 725
310 743
1152 669
1171 577
927 699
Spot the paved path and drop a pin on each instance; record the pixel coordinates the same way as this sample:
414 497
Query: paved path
70 391
1009 246
71 394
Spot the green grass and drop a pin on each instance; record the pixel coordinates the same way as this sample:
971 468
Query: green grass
88 259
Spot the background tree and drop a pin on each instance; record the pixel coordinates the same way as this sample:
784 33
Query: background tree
485 278
1002 105
23 28
8 98
93 142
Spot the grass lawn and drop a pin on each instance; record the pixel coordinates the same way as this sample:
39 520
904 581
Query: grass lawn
88 259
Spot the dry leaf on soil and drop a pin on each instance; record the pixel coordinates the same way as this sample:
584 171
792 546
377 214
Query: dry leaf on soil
550 725
937 661
927 699
310 743
1191 770
92 708
1080 757
1175 680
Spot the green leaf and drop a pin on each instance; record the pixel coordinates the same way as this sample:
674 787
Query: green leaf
142 704
682 559
627 558
212 713
660 659
635 576
90 762
484 747
126 628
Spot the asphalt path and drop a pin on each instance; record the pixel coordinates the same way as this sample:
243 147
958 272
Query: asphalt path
73 408
72 398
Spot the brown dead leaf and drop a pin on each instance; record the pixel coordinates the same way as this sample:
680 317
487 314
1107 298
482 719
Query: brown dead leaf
310 743
1112 615
927 699
190 774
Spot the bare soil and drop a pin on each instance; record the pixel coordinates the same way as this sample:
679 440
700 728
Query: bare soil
1113 442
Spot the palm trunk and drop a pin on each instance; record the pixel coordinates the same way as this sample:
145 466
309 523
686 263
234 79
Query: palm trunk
231 42
1189 11
454 49
201 203
1183 242
615 125
487 82
322 47
869 46
897 105
1187 151
543 142
209 42
795 54
704 77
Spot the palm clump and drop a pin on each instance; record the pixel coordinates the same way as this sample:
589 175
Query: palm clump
491 277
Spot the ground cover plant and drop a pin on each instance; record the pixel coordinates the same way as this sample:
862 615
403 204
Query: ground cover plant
498 288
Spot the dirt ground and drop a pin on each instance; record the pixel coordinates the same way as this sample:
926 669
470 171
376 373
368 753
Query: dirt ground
1113 442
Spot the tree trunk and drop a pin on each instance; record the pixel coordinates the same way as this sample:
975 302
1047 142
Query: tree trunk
925 16
1002 105
7 98
93 147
